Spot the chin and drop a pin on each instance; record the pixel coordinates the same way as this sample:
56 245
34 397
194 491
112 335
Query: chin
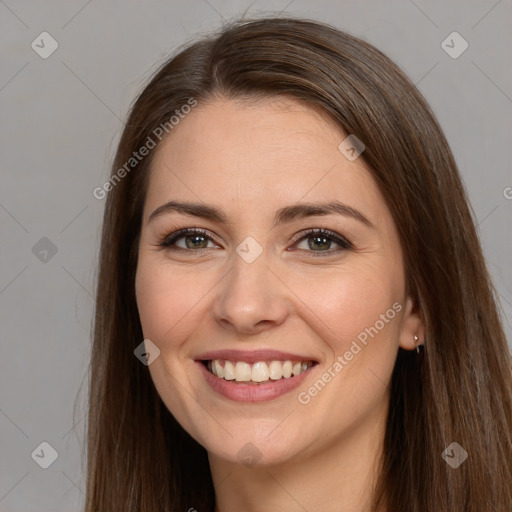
255 443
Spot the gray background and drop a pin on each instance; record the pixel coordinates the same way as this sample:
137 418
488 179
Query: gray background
61 119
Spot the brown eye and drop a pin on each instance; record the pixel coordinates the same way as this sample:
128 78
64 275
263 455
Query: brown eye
321 241
188 239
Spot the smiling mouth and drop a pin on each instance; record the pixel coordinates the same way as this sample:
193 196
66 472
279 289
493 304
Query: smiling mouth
257 373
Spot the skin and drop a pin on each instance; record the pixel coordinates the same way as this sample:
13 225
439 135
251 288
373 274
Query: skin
250 158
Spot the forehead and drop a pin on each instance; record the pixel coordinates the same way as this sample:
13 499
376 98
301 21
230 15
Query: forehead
271 131
275 150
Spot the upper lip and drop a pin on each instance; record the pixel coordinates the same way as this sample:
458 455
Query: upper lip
252 356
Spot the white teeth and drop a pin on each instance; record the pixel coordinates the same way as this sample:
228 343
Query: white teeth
229 370
242 371
297 367
219 371
261 371
275 370
287 369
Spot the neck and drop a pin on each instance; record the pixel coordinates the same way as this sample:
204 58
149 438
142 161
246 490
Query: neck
341 476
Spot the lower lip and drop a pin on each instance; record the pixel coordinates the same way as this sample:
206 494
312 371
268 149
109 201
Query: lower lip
252 392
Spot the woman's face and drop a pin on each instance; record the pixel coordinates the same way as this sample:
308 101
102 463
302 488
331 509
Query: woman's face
301 327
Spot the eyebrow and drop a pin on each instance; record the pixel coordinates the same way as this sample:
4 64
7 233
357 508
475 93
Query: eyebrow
283 215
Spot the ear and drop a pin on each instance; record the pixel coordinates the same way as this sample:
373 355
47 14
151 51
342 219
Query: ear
412 325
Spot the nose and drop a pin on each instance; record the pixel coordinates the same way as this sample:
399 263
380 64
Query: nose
250 298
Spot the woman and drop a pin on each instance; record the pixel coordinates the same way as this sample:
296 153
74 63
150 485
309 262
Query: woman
289 253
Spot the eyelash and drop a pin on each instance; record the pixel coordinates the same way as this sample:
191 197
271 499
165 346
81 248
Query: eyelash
168 241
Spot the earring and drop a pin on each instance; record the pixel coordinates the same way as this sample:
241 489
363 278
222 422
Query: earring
417 346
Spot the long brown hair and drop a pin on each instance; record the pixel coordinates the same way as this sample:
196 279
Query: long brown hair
457 390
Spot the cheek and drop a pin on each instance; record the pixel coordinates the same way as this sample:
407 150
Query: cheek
358 315
165 304
168 305
351 302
